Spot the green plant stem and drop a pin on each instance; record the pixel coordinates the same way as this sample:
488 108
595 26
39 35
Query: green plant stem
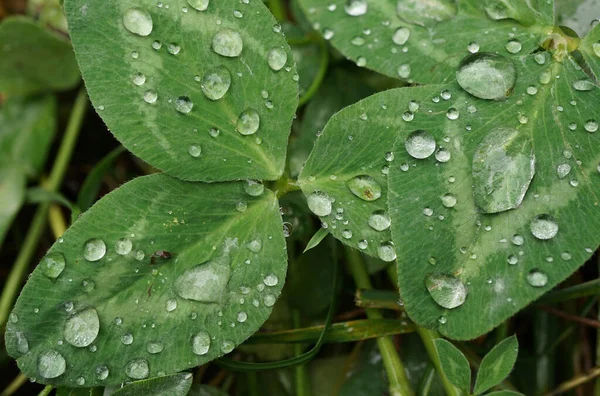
427 336
300 373
575 382
14 385
381 299
284 185
277 9
37 227
323 65
399 384
46 391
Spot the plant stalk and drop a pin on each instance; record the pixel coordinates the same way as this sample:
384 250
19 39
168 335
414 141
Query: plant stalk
38 225
427 336
399 384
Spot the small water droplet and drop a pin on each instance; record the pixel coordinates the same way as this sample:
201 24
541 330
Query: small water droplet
583 85
537 278
102 373
127 339
276 58
216 83
51 364
138 79
195 150
227 346
137 368
155 347
248 122
544 227
449 200
200 5
380 220
254 188
183 104
319 203
386 251
150 97
401 36
269 300
137 21
123 246
227 42
487 76
82 328
356 7
513 46
201 343
420 144
53 265
94 249
365 187
171 305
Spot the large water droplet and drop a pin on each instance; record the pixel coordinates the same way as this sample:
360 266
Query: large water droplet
150 97
583 85
201 343
53 265
216 83
426 13
276 58
386 251
503 167
227 42
271 280
171 305
137 368
51 364
401 36
380 221
82 328
420 144
205 282
248 122
254 245
94 249
513 46
487 76
155 347
137 21
544 227
356 7
195 150
183 104
449 200
200 5
446 290
123 246
319 203
254 188
227 346
127 339
102 373
537 278
365 187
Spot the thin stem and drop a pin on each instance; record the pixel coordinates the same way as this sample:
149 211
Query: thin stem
57 221
14 385
575 382
46 391
37 227
399 384
277 9
427 336
591 288
323 65
301 375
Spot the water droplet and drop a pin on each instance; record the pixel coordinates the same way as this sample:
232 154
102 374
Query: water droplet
565 256
404 70
171 305
365 187
254 188
426 13
380 221
150 97
137 368
216 83
22 343
123 246
51 364
127 339
139 255
271 280
241 206
227 42
276 58
248 122
82 328
563 170
242 317
591 126
513 46
537 278
88 285
53 265
94 249
356 7
227 346
269 300
328 34
138 79
183 104
319 203
503 167
473 47
487 76
583 85
449 200
442 155
512 259
156 45
205 282
401 36
155 347
386 251
195 150
102 373
254 245
446 290
442 320
544 227
201 343
420 144
80 381
200 5
137 21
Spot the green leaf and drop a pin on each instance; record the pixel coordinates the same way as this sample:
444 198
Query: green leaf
497 364
316 239
454 364
388 36
590 49
27 46
91 186
504 393
12 196
171 385
127 302
155 96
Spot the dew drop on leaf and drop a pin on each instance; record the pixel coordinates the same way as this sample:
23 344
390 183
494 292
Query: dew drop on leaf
51 364
446 290
123 246
356 7
271 280
53 265
205 282
276 58
195 150
201 343
82 328
94 249
248 122
216 83
544 227
583 85
487 76
150 97
591 126
537 278
183 104
242 316
137 21
254 245
380 220
155 347
449 200
228 43
269 300
200 5
138 79
102 373
513 46
426 13
137 368
386 251
319 203
365 187
127 338
254 188
171 305
401 36
227 346
503 167
420 144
